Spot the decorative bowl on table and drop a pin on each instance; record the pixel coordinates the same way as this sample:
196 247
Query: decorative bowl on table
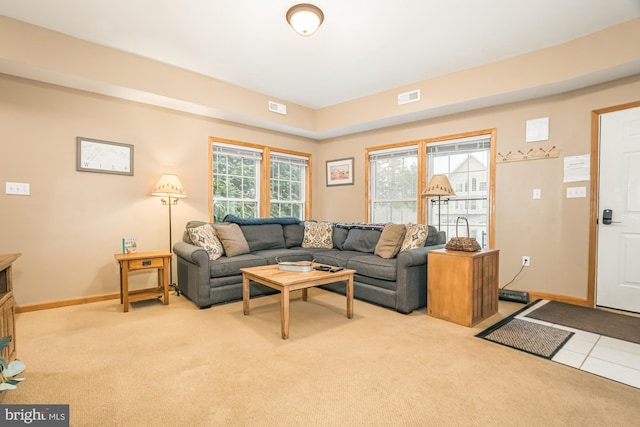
303 266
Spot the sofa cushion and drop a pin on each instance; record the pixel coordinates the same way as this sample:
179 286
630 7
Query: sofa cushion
265 236
415 237
225 266
205 237
433 238
390 240
293 235
374 266
333 256
291 255
339 236
361 240
318 235
232 239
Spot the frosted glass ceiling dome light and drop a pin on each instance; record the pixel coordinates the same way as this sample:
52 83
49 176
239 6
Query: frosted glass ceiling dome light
305 18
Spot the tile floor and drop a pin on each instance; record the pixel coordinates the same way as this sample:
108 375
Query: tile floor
607 357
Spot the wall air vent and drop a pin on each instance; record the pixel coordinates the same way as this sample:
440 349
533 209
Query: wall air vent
277 108
407 97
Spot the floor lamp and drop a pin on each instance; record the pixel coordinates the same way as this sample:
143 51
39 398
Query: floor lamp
439 186
170 189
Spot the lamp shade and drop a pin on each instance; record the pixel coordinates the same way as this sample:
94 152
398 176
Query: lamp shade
439 186
169 186
305 18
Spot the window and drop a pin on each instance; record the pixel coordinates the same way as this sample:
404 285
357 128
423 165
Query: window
287 185
393 180
466 162
240 172
236 181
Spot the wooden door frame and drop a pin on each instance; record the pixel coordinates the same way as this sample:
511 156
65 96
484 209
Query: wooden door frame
595 184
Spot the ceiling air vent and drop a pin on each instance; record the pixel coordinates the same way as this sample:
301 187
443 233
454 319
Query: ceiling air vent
277 108
407 97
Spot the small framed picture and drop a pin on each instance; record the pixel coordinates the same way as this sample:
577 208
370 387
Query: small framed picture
340 172
93 155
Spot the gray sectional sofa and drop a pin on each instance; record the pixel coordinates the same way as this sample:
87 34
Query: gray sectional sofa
397 281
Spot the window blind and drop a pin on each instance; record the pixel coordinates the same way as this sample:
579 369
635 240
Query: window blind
289 158
237 151
410 151
461 145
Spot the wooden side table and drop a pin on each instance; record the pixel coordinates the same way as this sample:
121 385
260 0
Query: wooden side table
462 286
141 261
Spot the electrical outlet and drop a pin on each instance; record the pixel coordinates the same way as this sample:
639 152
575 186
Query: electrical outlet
526 260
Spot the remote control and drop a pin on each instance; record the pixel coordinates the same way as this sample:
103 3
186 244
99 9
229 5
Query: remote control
335 269
322 268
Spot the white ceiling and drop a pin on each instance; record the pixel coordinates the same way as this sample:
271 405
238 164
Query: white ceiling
363 47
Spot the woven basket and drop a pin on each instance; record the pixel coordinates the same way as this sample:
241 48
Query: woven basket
464 244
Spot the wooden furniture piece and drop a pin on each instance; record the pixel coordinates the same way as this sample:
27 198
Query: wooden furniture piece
7 305
287 281
142 261
462 286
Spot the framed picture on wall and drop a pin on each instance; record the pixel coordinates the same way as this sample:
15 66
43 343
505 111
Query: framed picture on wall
94 155
340 172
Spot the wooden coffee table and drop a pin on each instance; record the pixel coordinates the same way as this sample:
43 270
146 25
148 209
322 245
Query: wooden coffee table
287 281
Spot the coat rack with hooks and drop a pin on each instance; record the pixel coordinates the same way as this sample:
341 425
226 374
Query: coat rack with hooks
532 154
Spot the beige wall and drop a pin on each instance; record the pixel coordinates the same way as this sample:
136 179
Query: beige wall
553 231
70 226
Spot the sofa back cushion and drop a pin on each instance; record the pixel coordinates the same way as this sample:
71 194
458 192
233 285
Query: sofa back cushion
264 236
293 235
362 240
435 237
339 237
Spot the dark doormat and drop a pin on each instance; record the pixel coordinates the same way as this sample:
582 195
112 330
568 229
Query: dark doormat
534 338
613 325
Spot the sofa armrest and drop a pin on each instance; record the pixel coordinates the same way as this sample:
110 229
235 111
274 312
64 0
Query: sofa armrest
193 273
417 256
192 253
411 278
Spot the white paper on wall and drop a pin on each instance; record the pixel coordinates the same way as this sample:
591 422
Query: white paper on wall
537 129
577 168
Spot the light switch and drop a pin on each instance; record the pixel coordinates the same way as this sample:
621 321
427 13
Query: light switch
537 193
20 188
576 192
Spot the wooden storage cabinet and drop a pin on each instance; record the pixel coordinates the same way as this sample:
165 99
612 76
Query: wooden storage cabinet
7 305
462 286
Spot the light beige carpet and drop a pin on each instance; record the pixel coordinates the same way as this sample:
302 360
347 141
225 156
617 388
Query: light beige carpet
178 365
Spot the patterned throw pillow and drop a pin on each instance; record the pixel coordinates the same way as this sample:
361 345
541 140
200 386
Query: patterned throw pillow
205 237
318 235
415 237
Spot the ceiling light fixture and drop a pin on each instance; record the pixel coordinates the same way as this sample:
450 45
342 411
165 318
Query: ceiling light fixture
305 18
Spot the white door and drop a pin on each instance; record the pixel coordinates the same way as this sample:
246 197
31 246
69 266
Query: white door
618 264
